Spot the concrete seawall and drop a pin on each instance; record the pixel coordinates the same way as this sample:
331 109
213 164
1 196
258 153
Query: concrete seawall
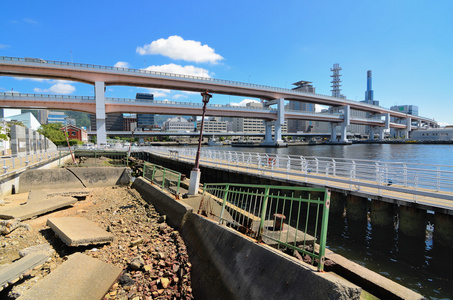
73 177
229 265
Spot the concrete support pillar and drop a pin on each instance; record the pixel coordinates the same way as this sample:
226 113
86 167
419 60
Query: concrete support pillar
381 133
280 120
333 132
371 133
408 127
345 124
382 214
268 132
412 221
337 204
356 208
101 132
443 229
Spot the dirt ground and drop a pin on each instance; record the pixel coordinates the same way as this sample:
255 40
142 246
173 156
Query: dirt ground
152 254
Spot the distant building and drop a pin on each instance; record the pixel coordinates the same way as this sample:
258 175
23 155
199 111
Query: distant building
433 134
213 125
56 117
113 122
178 124
42 116
76 133
406 109
301 125
26 118
7 112
145 121
59 117
129 123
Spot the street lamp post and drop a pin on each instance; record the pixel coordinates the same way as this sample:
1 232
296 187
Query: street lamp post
195 174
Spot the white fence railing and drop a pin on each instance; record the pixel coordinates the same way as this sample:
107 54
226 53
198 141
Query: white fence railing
417 180
14 163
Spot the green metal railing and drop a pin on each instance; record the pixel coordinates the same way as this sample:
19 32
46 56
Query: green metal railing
168 179
100 158
289 218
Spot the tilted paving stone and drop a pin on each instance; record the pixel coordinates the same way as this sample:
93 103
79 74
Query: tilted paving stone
15 271
34 209
80 277
76 231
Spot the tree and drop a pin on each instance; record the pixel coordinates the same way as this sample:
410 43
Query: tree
53 132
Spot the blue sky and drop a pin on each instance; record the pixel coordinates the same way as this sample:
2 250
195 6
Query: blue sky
408 44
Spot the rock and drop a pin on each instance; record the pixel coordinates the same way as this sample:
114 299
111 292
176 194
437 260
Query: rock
165 282
137 242
137 263
162 219
126 280
45 248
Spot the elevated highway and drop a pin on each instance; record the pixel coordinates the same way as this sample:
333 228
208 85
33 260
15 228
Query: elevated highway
102 76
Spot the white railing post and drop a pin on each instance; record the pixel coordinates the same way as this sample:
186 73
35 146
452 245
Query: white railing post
334 167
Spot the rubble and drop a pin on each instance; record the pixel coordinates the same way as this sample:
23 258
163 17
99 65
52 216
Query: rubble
164 273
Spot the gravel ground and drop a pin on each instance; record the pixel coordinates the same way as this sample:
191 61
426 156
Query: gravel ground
152 254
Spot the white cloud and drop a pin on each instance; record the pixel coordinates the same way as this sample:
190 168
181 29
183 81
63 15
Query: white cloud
178 69
59 88
32 79
3 46
157 93
30 21
443 124
243 102
179 96
175 47
122 64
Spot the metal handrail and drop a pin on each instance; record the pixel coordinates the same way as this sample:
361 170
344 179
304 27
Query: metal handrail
18 162
411 178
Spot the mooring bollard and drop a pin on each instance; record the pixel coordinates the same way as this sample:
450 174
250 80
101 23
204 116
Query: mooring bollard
278 222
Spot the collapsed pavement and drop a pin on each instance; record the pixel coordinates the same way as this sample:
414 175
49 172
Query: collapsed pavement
151 257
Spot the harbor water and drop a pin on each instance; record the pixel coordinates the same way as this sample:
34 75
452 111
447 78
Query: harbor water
418 264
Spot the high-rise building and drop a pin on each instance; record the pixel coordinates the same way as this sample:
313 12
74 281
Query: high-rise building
113 122
145 121
369 93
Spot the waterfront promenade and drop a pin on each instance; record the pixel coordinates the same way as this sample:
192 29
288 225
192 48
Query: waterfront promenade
426 186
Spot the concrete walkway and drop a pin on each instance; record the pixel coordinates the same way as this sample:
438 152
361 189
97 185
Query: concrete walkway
80 277
365 189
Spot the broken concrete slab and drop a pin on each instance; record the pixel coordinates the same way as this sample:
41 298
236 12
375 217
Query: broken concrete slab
41 248
34 209
80 277
8 226
41 195
76 231
15 271
47 179
102 176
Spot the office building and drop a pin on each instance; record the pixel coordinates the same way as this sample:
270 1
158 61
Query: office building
178 124
301 125
407 109
113 122
145 121
213 125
